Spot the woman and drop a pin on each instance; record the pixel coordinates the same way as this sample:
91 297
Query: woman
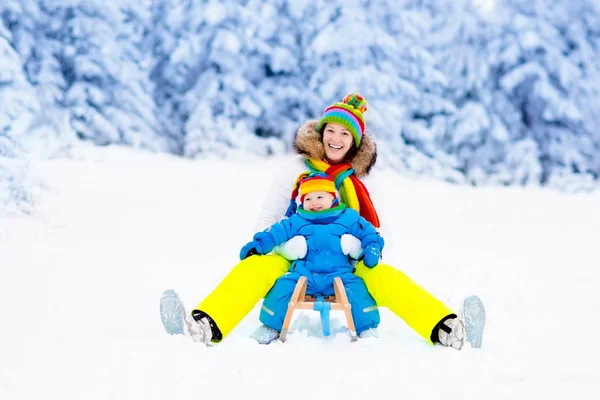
338 145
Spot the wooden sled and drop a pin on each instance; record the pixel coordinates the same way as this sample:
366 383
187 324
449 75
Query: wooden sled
323 304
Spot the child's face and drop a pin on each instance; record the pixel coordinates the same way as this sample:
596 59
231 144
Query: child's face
317 201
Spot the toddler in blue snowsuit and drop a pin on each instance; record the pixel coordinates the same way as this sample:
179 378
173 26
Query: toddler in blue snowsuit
322 221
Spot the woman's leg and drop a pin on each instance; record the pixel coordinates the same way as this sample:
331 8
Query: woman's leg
393 289
242 288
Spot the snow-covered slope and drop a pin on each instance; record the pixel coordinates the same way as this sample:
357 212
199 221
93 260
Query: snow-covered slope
81 280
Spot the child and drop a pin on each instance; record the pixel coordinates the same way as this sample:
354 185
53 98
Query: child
322 220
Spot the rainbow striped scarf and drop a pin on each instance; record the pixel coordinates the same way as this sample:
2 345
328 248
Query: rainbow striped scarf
352 191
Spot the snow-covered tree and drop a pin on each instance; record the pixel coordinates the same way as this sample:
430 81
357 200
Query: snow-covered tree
231 73
108 91
87 65
378 49
463 90
18 106
228 74
520 74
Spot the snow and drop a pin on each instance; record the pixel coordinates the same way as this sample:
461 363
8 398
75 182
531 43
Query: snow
215 13
114 227
486 7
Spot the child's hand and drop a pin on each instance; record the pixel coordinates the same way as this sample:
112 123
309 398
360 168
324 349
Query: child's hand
371 256
263 243
248 250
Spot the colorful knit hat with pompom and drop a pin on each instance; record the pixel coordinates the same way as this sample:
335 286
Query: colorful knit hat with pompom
311 182
316 183
348 113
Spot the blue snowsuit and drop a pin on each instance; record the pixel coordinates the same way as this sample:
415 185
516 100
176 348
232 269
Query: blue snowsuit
324 261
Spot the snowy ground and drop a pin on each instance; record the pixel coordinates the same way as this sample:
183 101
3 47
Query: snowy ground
81 280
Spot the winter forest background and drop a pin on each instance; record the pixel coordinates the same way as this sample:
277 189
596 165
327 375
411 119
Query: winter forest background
477 92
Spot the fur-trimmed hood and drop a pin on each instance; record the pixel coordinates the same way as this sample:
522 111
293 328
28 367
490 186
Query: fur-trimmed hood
307 142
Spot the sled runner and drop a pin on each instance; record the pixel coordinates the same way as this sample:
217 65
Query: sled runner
323 304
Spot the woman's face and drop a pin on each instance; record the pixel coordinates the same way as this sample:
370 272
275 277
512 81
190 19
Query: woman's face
337 141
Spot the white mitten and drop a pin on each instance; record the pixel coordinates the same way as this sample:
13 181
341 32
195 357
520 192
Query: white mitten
351 246
293 249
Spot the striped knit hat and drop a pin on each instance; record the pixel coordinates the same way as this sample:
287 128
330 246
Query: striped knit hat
348 113
311 182
316 183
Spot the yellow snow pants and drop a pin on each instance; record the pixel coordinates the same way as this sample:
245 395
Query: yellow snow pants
252 278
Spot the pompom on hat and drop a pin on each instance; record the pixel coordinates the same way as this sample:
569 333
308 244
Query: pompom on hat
348 113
